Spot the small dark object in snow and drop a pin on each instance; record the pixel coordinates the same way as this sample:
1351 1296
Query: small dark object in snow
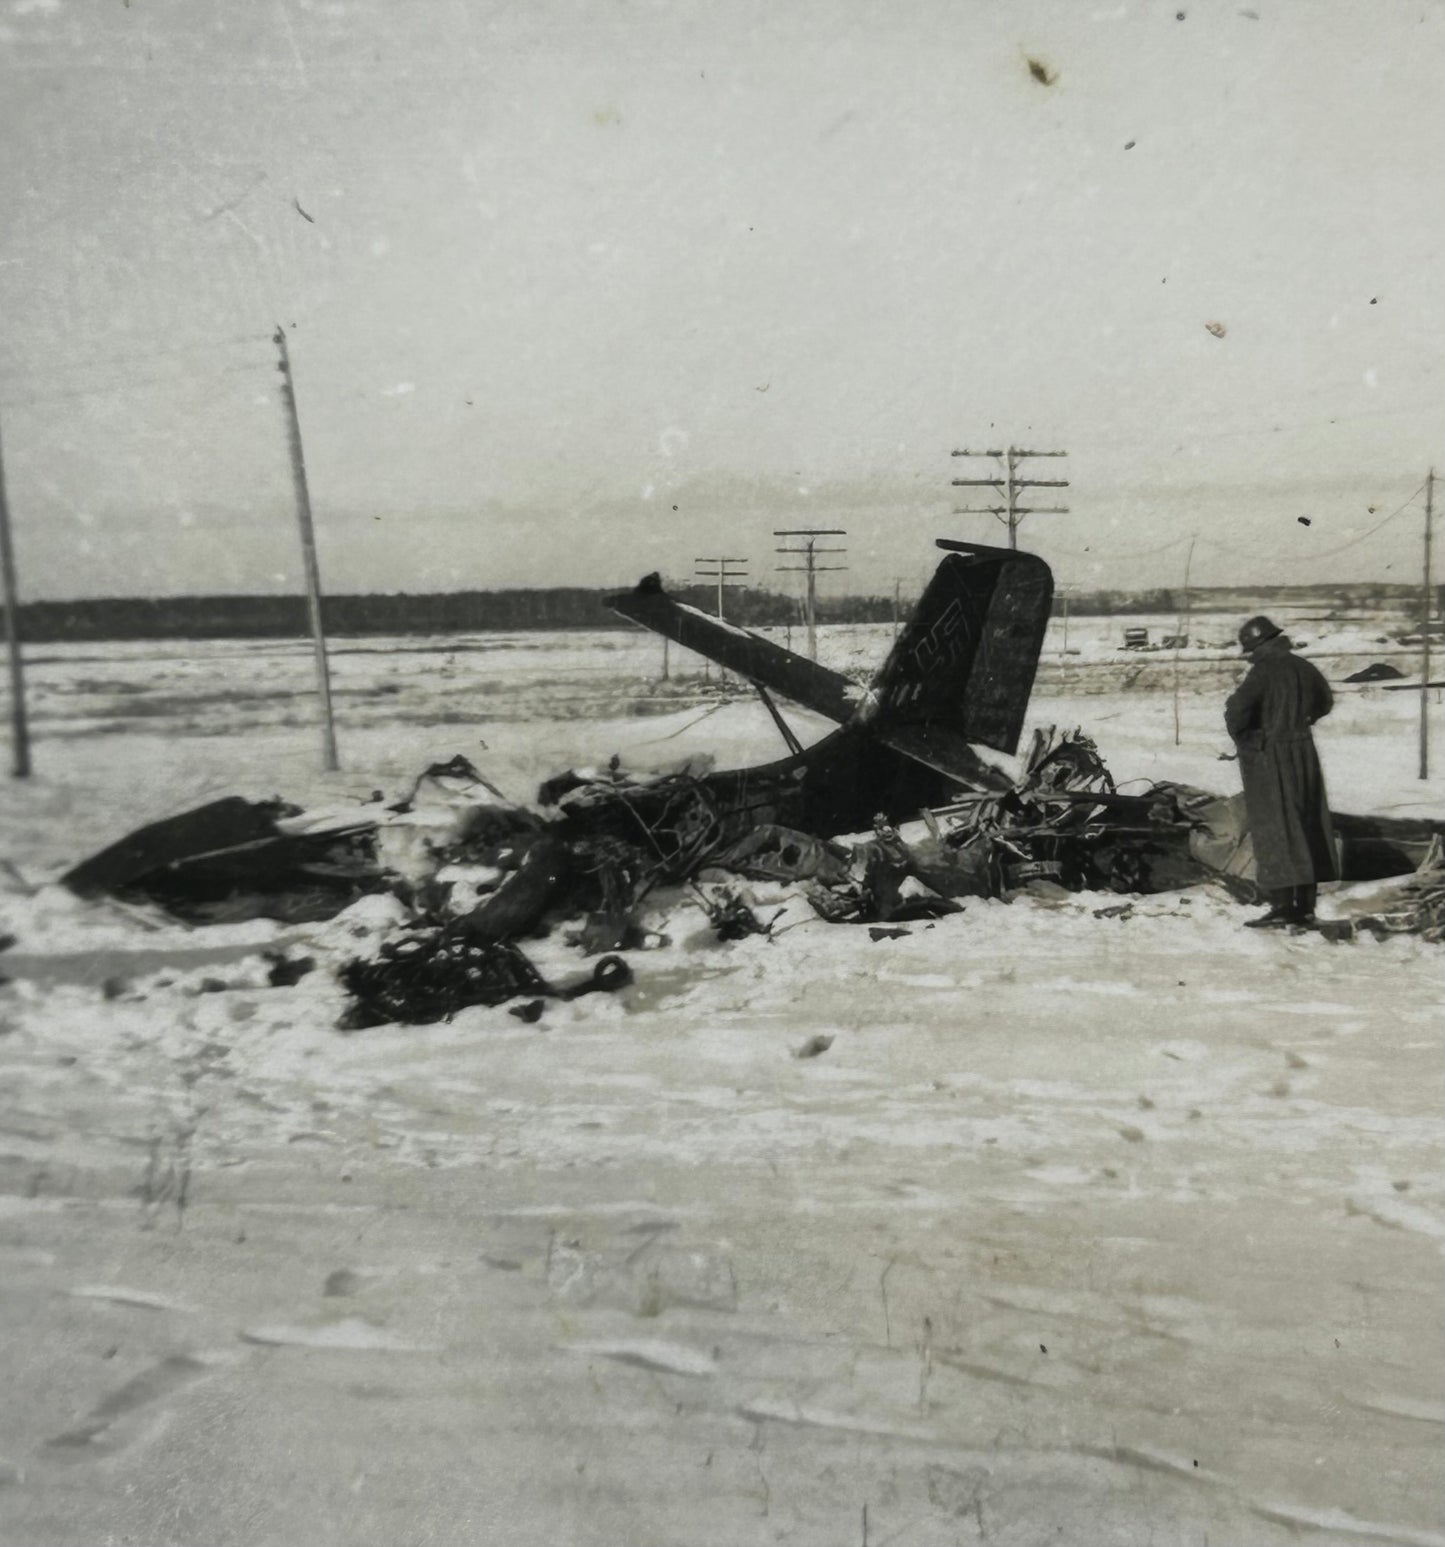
432 972
457 767
1303 520
428 975
731 917
530 1011
608 931
813 1046
1376 671
213 986
1120 910
875 933
113 988
520 901
610 974
285 972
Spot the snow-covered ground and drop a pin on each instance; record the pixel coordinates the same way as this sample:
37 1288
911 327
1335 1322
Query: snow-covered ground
1095 1230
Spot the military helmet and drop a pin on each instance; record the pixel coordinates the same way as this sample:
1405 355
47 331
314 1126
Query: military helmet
1256 632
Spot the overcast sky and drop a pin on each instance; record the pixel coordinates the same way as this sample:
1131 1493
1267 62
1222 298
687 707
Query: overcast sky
579 290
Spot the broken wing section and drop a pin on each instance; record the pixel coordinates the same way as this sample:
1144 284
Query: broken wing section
750 655
963 669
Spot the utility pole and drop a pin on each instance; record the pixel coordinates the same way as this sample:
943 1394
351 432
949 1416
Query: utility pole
1008 483
1062 591
308 553
725 574
812 569
725 571
1425 610
19 727
1179 631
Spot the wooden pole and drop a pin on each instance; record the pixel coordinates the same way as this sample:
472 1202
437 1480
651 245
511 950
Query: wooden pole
308 553
19 726
1013 519
1425 610
812 604
1179 625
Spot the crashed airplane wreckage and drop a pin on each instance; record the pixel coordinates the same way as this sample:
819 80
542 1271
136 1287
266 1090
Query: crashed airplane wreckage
958 678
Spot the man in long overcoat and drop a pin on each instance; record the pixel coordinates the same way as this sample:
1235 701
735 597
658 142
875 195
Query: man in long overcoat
1269 717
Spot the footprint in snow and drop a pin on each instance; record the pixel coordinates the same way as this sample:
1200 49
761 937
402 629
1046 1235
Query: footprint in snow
652 1354
352 1334
104 1430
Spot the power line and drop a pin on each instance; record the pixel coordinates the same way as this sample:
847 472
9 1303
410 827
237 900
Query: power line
1364 536
1328 552
1235 548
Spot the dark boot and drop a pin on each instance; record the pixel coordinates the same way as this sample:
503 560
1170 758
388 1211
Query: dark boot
1281 911
1304 903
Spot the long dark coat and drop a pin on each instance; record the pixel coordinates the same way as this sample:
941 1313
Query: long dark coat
1269 716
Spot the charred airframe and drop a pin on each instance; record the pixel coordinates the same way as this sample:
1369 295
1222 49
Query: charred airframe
958 675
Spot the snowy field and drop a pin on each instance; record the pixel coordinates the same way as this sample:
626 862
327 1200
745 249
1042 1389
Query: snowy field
1086 1230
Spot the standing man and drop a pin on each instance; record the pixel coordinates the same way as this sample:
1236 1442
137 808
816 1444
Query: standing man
1269 717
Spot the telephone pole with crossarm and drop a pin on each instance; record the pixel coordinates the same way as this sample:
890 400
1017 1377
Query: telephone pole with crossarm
812 569
1008 483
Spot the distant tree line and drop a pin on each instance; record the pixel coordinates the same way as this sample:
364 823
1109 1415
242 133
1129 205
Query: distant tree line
1349 596
467 612
441 612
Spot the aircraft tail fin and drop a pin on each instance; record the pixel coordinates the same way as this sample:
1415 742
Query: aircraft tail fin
963 667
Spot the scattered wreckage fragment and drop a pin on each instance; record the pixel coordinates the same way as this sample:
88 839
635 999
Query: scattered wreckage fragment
233 859
434 971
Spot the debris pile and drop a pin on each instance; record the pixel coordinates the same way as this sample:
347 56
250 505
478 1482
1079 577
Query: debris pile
1414 905
895 815
477 875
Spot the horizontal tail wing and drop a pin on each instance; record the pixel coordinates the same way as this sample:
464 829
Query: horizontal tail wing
736 649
